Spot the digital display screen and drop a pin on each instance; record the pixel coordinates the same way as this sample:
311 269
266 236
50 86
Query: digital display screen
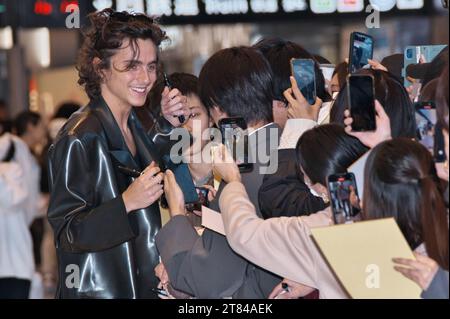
343 197
236 140
362 51
303 71
52 13
426 121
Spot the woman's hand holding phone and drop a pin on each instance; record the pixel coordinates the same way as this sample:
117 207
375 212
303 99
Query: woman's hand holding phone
371 138
298 107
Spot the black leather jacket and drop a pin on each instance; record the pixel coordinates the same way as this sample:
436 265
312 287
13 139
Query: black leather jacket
102 251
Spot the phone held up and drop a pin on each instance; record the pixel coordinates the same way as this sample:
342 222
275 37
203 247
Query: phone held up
235 138
303 70
361 97
203 200
344 198
361 50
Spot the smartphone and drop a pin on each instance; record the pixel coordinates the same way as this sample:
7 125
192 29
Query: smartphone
167 82
327 71
344 198
412 55
361 96
235 138
439 145
361 50
184 179
426 119
202 200
304 73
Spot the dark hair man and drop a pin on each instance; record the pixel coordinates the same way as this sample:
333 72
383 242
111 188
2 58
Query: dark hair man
104 217
234 82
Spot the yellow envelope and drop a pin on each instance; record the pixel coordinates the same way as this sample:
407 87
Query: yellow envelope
361 256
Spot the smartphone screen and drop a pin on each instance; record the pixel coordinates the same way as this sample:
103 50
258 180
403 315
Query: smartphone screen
304 73
426 122
361 50
327 71
202 200
362 102
184 179
344 197
235 138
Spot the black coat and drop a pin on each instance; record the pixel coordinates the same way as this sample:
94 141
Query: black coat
284 193
103 252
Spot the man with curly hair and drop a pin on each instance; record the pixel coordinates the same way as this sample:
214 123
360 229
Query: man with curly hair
105 217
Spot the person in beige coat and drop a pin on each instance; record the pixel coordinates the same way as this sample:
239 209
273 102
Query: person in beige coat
270 243
342 150
284 245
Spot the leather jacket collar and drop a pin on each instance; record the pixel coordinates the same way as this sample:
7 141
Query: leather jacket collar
116 142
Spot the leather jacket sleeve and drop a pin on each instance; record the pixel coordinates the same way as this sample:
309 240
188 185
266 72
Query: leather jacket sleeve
74 212
164 135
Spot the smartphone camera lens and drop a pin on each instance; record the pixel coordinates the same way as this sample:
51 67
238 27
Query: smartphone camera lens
409 54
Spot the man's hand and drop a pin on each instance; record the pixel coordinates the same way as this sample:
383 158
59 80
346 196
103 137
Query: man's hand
371 139
298 107
421 271
224 165
173 105
174 195
288 289
145 190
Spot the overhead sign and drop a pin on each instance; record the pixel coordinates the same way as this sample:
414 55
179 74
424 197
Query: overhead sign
47 13
350 5
52 13
3 13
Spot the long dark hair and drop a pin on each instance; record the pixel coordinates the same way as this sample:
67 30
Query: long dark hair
401 182
326 150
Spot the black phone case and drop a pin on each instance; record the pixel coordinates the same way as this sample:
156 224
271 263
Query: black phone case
184 180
